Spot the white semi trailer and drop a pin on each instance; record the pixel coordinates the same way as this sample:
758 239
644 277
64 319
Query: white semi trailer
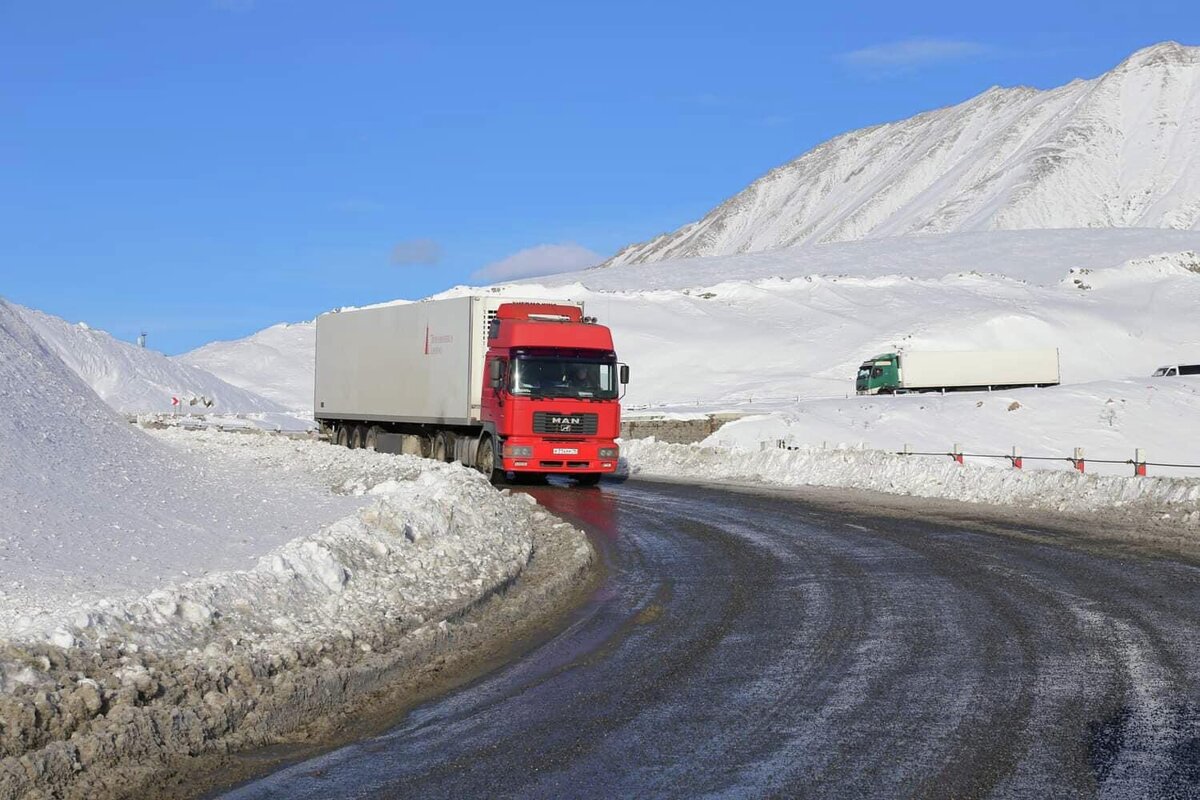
957 370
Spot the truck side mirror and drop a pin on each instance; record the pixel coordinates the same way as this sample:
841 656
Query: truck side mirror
624 374
496 373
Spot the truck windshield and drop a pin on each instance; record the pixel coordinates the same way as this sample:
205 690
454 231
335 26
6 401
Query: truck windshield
564 377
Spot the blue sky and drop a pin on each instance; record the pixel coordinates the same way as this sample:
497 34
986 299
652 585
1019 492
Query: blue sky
202 170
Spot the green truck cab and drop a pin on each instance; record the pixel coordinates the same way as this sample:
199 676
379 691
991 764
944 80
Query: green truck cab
878 374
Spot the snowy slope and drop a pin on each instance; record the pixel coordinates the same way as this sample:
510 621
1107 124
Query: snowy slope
133 379
1115 151
95 507
276 363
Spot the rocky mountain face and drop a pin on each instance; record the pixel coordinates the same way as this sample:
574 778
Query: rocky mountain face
1120 150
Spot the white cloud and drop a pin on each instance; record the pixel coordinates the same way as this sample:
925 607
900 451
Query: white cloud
913 53
542 259
416 252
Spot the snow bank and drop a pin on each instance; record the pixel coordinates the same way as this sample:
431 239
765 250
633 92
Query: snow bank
874 470
429 534
96 508
1108 419
123 689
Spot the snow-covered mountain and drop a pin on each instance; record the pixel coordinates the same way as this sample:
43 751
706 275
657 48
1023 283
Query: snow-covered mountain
276 362
1119 150
133 379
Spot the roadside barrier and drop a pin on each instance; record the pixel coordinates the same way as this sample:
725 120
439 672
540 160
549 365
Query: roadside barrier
1017 459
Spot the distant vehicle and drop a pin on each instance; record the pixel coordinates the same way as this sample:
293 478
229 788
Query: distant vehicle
957 371
1177 369
501 384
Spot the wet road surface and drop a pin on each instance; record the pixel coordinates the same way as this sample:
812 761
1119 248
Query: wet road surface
750 645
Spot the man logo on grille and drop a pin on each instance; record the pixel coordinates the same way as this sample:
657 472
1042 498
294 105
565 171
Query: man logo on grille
567 420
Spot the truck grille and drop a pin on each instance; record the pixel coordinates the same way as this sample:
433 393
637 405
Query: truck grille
555 422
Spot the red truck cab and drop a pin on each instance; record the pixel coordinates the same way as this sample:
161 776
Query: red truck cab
552 392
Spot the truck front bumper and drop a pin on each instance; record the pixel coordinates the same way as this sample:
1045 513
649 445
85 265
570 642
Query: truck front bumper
559 457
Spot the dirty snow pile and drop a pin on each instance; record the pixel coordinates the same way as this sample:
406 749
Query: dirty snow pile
159 587
1067 491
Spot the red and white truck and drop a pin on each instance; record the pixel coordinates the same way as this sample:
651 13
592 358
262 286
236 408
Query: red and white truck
522 386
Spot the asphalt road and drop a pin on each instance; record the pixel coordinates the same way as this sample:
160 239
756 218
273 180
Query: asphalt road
758 646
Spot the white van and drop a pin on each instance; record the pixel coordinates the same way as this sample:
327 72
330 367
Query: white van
1177 369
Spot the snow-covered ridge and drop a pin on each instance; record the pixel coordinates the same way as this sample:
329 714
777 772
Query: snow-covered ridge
276 362
1113 151
134 379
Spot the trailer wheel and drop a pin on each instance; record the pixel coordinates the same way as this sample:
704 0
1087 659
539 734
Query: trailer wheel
437 447
357 435
371 441
443 446
486 460
341 436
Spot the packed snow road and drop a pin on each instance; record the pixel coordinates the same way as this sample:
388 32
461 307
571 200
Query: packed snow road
755 644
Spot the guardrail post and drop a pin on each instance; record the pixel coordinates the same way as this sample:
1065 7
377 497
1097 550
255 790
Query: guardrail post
1017 461
906 449
1139 462
1078 460
957 453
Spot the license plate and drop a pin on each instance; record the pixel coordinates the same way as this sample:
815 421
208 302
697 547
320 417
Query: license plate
566 451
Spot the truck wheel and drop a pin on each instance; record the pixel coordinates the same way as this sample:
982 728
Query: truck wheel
588 479
357 434
341 436
437 447
371 441
486 460
446 443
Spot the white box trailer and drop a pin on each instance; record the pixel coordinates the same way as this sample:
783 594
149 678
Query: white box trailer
957 370
406 362
978 368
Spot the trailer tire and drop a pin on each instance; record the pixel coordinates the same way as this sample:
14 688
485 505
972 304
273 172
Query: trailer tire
357 434
371 440
437 447
443 446
486 460
341 436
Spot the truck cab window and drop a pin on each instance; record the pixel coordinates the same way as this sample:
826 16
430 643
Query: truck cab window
564 377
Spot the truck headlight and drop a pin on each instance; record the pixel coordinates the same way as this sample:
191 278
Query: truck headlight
608 452
518 451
